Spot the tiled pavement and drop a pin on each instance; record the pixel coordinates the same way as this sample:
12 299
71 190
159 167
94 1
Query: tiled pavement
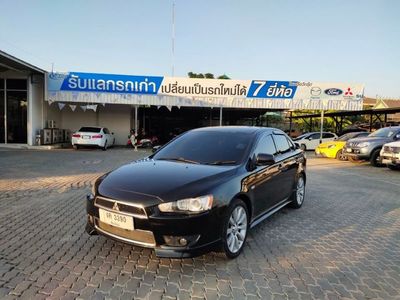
343 243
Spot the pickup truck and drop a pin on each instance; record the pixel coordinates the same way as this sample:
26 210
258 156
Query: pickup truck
369 148
390 155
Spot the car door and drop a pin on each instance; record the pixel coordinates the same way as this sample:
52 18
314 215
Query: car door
287 166
263 182
313 141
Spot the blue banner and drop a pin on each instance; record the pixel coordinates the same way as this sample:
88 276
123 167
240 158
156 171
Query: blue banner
272 89
105 83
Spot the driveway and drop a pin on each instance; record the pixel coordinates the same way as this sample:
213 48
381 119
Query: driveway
343 243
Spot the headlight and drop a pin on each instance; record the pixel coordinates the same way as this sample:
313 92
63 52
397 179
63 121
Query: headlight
198 204
331 146
363 145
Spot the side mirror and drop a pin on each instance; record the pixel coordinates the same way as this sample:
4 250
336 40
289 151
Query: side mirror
297 145
397 137
264 159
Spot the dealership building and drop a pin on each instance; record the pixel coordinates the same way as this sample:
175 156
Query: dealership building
32 100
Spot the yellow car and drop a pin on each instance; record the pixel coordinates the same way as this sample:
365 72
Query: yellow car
333 149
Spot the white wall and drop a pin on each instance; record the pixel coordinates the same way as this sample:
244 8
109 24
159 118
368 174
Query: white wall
116 117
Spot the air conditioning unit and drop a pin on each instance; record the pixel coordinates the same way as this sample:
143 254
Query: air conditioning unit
45 136
51 124
56 136
66 135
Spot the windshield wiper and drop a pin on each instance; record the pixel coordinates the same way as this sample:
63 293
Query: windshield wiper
181 159
221 162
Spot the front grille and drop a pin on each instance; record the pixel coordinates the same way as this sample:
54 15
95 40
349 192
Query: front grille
123 207
141 237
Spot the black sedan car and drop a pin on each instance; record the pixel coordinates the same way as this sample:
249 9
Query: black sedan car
202 191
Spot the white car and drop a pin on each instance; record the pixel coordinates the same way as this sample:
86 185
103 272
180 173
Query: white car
94 137
310 141
390 155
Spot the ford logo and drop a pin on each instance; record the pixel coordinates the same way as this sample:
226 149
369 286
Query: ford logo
333 92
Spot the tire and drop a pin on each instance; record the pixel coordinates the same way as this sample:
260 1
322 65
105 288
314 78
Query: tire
375 158
393 167
105 146
76 147
235 228
299 192
340 155
303 147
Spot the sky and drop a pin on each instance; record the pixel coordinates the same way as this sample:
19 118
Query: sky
355 41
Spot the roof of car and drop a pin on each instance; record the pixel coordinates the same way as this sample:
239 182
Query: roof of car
244 129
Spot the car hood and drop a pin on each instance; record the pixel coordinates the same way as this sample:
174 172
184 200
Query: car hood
370 140
393 144
151 182
326 144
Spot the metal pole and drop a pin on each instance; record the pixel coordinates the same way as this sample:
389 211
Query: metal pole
220 116
136 125
322 126
173 38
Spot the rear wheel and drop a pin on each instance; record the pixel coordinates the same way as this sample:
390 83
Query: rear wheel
105 146
299 193
235 228
375 159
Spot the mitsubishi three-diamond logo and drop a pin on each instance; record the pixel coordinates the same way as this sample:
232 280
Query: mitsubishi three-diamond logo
115 206
349 92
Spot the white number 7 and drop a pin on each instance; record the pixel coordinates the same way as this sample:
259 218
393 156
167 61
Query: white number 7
260 84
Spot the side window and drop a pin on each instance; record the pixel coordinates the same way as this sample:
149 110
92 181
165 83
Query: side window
265 145
106 131
315 136
281 142
326 135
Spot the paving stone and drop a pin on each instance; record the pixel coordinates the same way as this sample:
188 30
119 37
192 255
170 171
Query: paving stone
334 247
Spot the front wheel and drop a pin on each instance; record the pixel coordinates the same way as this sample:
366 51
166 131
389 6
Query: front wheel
340 155
394 167
303 147
376 158
235 228
299 193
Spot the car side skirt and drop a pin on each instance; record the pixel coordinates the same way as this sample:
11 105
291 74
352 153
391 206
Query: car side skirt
269 213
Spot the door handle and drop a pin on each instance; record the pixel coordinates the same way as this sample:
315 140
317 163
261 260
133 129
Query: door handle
282 167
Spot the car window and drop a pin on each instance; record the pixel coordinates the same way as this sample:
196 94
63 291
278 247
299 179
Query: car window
106 131
90 129
265 145
384 132
281 142
208 147
314 136
327 135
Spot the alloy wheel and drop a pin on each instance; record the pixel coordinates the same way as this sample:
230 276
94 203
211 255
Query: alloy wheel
300 190
237 229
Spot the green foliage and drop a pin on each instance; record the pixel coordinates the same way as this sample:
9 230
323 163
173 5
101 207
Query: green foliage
206 75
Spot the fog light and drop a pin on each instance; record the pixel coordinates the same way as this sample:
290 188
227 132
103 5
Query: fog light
90 219
181 241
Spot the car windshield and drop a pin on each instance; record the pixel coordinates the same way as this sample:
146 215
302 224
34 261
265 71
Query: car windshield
383 132
90 129
303 136
207 147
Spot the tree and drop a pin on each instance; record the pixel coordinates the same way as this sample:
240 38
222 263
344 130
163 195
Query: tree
206 75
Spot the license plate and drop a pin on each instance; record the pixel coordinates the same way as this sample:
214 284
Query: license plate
86 137
348 150
117 220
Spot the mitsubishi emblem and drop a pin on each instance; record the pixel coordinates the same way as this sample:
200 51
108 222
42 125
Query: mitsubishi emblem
115 206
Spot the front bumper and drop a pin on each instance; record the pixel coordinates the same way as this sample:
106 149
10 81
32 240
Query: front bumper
389 158
163 233
357 153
